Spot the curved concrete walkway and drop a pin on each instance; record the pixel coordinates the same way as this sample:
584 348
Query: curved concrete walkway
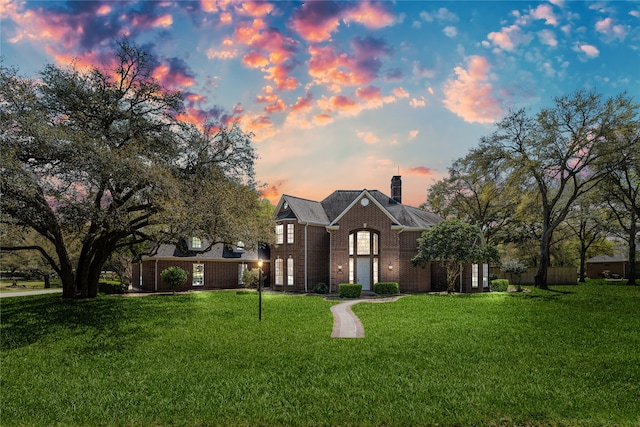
345 323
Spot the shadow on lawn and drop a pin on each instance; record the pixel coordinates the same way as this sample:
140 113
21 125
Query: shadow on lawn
105 324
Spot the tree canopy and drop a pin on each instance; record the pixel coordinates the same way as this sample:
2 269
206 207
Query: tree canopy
453 243
525 179
96 160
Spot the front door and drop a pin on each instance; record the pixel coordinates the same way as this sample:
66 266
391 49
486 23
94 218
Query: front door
364 273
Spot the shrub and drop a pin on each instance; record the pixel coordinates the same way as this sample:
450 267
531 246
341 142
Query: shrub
321 288
112 288
499 285
250 278
174 277
514 267
350 290
386 288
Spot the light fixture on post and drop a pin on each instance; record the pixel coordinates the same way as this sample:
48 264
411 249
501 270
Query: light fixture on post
260 290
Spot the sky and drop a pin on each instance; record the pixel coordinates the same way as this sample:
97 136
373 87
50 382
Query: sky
344 95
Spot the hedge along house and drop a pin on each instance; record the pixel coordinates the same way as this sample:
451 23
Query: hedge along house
355 237
221 267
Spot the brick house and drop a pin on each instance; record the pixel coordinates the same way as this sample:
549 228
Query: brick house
356 237
218 268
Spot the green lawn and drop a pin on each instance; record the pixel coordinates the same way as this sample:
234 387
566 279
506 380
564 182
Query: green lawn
26 285
568 357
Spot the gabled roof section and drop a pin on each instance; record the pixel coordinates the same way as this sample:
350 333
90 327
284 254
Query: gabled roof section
338 201
306 211
375 196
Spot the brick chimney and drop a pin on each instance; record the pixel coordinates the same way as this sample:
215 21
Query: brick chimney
396 188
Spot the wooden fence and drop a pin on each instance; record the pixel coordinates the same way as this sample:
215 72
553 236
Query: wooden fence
555 275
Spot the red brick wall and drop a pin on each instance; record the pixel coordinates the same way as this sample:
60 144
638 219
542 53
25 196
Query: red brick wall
217 274
372 218
317 255
412 279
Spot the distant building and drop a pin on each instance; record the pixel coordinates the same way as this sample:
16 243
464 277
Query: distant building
605 266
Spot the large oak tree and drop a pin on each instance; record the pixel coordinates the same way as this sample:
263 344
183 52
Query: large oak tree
95 160
560 152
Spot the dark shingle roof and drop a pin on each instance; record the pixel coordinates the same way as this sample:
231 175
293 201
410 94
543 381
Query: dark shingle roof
337 202
218 252
305 210
326 211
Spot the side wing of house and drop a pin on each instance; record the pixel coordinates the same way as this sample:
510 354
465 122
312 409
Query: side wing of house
300 256
219 268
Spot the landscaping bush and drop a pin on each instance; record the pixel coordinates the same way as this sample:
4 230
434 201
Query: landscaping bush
321 288
350 290
386 288
112 288
251 278
175 277
499 285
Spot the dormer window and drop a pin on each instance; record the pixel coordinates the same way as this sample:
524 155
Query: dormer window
196 243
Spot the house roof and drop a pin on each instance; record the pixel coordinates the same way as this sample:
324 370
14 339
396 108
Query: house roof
219 252
329 210
607 258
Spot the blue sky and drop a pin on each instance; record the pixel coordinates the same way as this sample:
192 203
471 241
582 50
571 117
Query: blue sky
343 95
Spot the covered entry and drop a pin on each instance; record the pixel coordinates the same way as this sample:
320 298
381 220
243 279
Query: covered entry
364 252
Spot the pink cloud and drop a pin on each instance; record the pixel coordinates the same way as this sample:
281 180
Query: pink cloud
371 15
421 171
253 59
589 51
174 73
322 119
545 11
275 107
271 52
272 192
334 69
413 134
607 27
302 104
418 103
255 8
369 93
368 137
315 21
400 93
508 38
470 94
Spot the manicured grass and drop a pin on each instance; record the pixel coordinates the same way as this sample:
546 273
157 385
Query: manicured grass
568 357
26 285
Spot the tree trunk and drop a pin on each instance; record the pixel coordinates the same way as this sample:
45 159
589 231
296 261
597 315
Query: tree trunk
583 262
47 283
633 274
545 259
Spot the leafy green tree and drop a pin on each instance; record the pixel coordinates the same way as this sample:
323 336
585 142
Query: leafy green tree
587 221
475 191
559 152
174 277
621 191
453 243
98 160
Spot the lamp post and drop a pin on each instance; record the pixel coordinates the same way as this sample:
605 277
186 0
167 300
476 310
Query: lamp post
260 290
